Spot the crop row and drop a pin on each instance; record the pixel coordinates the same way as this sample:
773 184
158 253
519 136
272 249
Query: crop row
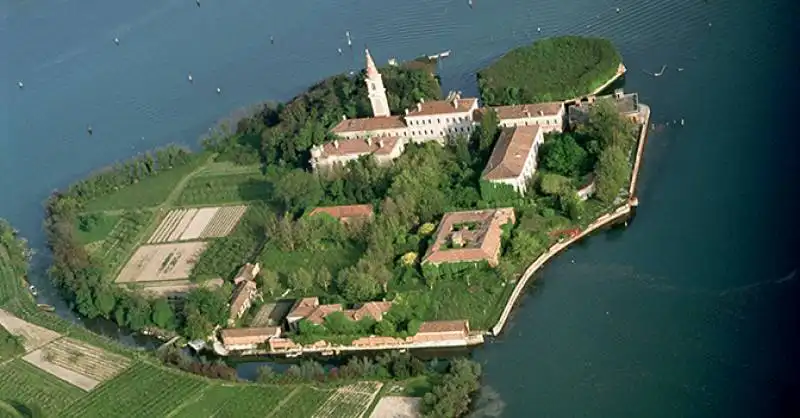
84 359
304 403
169 225
122 238
349 401
24 384
223 221
236 401
141 391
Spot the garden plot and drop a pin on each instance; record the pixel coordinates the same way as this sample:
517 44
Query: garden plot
397 407
170 226
178 287
161 262
223 222
33 336
78 363
349 401
199 224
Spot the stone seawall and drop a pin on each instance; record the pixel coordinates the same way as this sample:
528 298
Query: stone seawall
603 220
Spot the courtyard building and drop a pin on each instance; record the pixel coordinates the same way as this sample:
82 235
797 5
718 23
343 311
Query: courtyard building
311 310
469 236
513 159
626 103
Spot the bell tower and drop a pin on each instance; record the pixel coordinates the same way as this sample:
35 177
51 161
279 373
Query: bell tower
377 93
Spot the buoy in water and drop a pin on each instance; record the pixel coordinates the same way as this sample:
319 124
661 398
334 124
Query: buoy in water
219 90
20 84
198 3
682 122
339 50
538 29
89 129
272 40
116 41
191 80
617 9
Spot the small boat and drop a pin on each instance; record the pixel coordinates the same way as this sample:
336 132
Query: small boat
20 84
116 41
45 307
444 54
191 79
219 90
33 290
393 62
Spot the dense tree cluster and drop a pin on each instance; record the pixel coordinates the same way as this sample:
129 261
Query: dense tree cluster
401 321
558 68
384 366
451 395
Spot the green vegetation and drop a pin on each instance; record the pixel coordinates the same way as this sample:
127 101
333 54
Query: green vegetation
141 391
235 401
24 384
119 243
94 227
451 395
10 345
559 68
216 188
304 402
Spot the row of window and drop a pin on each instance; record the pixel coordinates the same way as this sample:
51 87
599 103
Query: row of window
451 130
459 119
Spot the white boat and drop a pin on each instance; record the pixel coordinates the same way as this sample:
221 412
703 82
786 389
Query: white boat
444 54
33 290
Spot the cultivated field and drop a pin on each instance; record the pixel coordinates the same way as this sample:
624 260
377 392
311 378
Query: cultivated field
142 391
177 287
78 363
303 403
349 401
161 262
397 407
219 188
116 247
235 401
24 384
33 336
192 224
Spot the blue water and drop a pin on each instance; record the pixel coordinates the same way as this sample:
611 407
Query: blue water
689 312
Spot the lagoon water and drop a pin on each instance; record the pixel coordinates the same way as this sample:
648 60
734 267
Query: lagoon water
688 312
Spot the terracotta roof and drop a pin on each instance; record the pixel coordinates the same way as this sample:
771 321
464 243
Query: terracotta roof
346 211
241 295
317 316
369 124
444 326
528 110
246 272
441 107
510 153
357 146
481 243
375 310
375 341
235 336
303 307
281 344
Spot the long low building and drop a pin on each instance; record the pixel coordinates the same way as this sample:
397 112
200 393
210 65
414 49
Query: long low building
235 339
513 159
342 151
547 116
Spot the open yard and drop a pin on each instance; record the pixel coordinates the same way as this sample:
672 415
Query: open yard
228 400
397 407
349 401
148 192
214 189
95 227
33 336
161 262
78 363
22 383
142 391
195 223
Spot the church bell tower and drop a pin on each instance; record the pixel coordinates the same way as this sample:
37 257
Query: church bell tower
377 93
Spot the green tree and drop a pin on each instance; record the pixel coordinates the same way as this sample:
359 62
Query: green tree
298 190
323 278
357 285
563 155
163 315
105 301
606 126
300 280
268 282
487 131
553 184
612 173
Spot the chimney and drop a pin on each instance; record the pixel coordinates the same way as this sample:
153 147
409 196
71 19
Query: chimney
419 107
380 143
422 100
618 93
455 102
344 117
541 113
336 143
527 113
406 111
369 141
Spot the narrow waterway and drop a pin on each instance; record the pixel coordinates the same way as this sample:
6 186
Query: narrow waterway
688 312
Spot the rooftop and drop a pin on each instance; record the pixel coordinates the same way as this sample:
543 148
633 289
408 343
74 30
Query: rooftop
528 110
358 146
510 153
343 212
441 107
369 124
481 242
303 307
241 295
248 335
444 326
626 103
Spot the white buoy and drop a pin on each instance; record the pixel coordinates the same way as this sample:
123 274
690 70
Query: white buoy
191 80
617 9
219 90
20 84
116 41
682 121
339 50
538 29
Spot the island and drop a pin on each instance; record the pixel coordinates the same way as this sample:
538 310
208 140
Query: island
369 213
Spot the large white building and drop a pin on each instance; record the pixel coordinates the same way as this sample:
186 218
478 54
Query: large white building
513 159
548 116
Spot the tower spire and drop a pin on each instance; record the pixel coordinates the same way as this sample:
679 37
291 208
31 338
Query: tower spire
372 71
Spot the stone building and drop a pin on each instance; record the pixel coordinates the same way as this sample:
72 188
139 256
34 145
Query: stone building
513 159
469 236
626 103
548 116
341 151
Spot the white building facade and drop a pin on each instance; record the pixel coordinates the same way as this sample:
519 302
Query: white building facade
513 159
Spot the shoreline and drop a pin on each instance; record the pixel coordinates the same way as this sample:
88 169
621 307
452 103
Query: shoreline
601 221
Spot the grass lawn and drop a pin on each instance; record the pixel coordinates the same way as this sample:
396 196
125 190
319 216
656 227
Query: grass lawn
212 188
334 259
26 385
149 192
102 225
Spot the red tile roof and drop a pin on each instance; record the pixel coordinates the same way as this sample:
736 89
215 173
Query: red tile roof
510 153
317 316
441 107
241 295
482 243
528 110
444 326
345 211
369 124
303 307
236 336
357 146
